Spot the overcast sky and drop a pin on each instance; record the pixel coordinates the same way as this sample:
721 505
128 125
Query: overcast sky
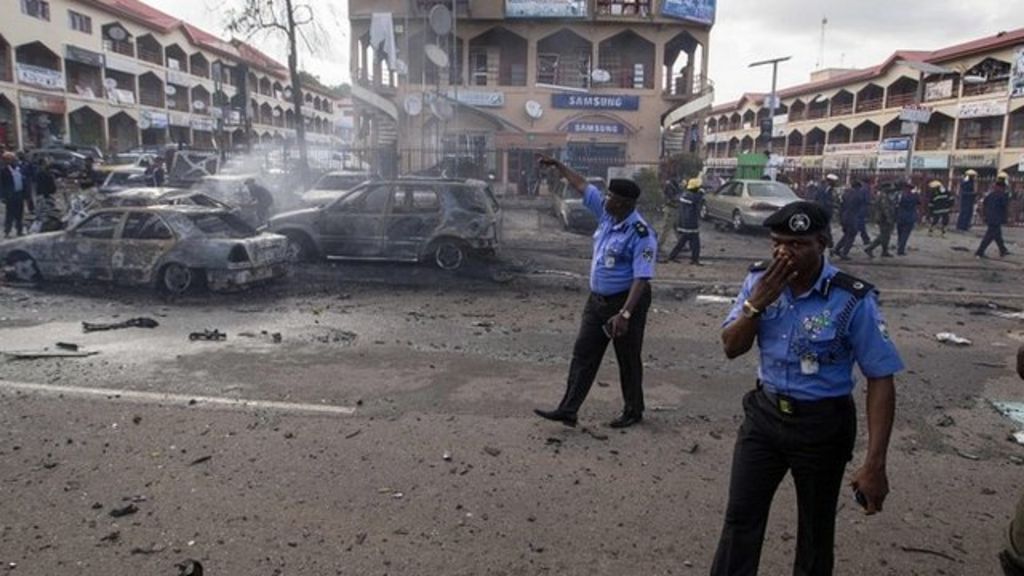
858 34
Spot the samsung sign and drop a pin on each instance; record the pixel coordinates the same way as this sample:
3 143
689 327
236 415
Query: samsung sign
593 102
596 128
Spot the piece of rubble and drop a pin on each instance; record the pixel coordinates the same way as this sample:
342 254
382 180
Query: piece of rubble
214 335
141 322
131 508
951 338
492 450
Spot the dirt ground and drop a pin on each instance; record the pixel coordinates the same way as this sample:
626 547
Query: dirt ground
390 430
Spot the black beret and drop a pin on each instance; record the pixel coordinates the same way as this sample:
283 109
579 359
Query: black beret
800 218
625 188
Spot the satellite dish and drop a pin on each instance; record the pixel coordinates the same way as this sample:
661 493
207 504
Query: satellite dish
144 123
288 93
170 90
199 105
401 68
117 33
440 19
534 110
413 105
436 55
110 83
277 113
600 76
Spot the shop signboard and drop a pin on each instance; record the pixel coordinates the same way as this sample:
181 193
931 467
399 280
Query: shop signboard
812 161
850 149
123 64
155 120
939 90
546 8
894 144
916 113
120 97
892 160
178 119
479 98
699 11
720 162
203 123
833 162
860 162
1017 74
595 101
982 109
779 124
968 160
582 127
42 102
39 77
929 161
84 56
179 78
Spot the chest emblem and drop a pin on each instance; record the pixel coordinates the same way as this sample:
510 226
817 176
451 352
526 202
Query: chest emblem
815 325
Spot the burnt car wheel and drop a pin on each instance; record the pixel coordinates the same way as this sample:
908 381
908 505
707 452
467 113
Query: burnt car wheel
176 279
449 253
300 248
23 268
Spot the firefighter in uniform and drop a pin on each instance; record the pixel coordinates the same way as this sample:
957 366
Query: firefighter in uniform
812 322
620 293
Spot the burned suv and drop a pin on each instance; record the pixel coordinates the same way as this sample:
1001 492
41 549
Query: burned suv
441 221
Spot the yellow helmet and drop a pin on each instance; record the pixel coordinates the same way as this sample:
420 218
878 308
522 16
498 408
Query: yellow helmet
935 184
1002 176
971 172
694 184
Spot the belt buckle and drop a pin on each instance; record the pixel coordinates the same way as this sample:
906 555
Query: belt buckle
786 406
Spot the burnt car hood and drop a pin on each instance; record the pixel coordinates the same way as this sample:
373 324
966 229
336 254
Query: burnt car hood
301 216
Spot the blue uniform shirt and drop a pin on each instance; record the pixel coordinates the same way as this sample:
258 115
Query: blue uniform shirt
806 353
623 252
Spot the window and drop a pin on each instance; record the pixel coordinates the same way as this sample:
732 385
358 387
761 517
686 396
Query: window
36 8
411 200
79 22
140 226
100 226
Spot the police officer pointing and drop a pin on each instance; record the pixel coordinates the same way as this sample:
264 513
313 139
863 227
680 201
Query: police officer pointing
620 294
812 323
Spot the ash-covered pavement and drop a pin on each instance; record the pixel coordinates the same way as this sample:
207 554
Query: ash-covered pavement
428 459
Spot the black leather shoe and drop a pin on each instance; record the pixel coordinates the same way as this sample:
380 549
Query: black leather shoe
557 416
626 419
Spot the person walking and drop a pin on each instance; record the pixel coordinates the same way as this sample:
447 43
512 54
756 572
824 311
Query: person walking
906 216
864 208
940 204
967 195
850 213
621 269
263 198
14 193
885 214
48 215
812 323
688 225
995 208
669 211
825 195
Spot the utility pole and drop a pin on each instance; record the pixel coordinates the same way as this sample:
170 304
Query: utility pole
772 99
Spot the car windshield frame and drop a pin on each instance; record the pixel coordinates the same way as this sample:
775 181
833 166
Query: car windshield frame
775 189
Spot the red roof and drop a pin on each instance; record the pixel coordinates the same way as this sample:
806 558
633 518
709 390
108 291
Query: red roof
958 51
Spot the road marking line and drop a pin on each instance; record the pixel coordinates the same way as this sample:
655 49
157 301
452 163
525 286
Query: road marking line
175 399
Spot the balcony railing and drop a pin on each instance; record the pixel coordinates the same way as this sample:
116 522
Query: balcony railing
795 151
900 100
931 143
817 113
797 115
841 109
990 87
869 105
151 56
985 141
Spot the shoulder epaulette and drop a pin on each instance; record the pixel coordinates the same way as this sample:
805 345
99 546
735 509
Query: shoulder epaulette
852 284
760 266
641 229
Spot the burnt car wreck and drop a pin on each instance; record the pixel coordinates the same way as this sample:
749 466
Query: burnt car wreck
176 249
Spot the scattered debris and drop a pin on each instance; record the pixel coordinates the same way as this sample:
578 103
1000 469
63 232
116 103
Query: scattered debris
951 338
945 421
67 346
335 336
447 456
351 435
131 508
1009 315
693 449
483 324
1012 410
553 441
151 549
113 537
136 419
714 299
967 455
1018 437
214 335
492 450
43 354
189 568
200 460
664 408
141 322
927 551
594 434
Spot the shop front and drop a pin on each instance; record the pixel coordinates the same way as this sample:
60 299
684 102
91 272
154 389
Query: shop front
8 124
154 128
85 127
180 129
42 119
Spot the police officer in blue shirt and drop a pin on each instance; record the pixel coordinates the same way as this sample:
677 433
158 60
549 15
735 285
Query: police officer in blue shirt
625 249
812 323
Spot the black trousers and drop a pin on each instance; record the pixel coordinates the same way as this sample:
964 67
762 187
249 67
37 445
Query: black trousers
815 448
939 220
883 238
903 230
14 216
862 229
591 343
849 237
994 233
691 238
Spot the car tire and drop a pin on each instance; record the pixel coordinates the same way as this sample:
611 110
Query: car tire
448 253
177 279
737 221
23 268
704 211
300 248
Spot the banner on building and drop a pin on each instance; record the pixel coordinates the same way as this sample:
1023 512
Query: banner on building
892 160
546 8
202 123
930 161
42 102
39 77
1017 74
916 113
84 56
939 90
700 11
581 127
180 78
478 98
595 102
982 109
178 119
153 120
850 149
894 144
120 97
974 160
124 64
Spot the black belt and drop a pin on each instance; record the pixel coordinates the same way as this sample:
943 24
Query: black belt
602 299
793 407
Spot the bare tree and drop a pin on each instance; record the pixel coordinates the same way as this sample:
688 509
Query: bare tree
280 17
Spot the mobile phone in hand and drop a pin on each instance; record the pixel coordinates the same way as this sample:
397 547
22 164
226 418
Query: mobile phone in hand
860 498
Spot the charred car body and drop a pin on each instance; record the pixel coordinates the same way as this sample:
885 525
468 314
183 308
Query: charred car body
177 249
441 221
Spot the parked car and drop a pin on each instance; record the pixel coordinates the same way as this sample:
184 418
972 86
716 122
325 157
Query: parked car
567 204
231 190
177 249
331 186
743 203
122 178
87 150
444 222
136 159
135 197
65 162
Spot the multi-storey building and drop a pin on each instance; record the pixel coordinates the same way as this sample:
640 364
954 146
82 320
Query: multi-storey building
850 120
598 81
119 74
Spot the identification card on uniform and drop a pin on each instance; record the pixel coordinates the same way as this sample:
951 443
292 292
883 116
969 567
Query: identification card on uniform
808 364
